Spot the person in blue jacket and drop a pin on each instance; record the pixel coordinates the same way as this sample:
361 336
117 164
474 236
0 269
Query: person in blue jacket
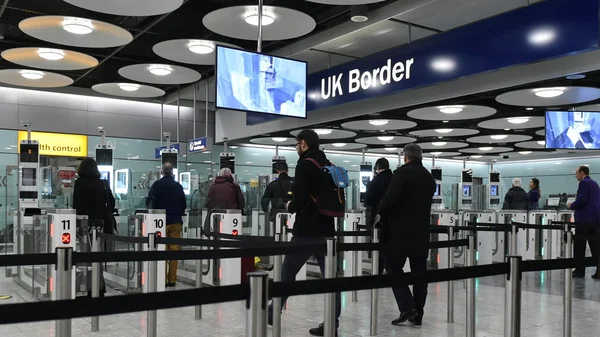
587 210
534 194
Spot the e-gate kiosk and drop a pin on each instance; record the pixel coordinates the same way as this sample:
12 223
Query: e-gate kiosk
542 241
154 222
493 191
104 158
508 217
441 217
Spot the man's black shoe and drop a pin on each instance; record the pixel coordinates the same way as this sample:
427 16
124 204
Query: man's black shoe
319 331
405 316
596 276
418 321
170 284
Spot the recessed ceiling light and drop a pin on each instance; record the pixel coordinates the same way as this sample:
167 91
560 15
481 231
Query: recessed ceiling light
506 129
231 147
32 74
279 139
391 149
439 143
201 46
486 148
525 152
436 153
529 109
78 26
445 122
443 64
51 54
160 69
549 92
359 18
451 109
575 77
354 165
558 163
378 122
129 87
541 142
256 154
345 161
251 18
498 137
518 120
542 36
248 162
385 138
339 144
444 130
476 156
323 131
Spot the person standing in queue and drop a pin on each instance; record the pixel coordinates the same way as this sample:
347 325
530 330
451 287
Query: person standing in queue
406 213
168 194
534 194
310 226
376 190
277 192
587 211
516 197
225 193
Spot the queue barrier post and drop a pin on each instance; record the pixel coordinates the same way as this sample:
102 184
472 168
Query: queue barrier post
198 308
470 257
64 267
256 305
355 263
330 272
152 282
513 240
512 302
95 277
567 292
374 292
450 318
280 236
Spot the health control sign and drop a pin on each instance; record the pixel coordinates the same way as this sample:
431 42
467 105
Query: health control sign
58 144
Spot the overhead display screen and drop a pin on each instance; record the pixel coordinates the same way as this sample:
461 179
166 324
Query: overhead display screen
260 83
573 130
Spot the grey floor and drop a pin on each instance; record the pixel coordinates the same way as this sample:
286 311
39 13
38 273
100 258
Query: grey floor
541 313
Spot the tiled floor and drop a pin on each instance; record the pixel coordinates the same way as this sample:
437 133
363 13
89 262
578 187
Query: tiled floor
541 314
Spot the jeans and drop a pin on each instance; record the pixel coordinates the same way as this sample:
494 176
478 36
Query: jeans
173 231
394 265
294 262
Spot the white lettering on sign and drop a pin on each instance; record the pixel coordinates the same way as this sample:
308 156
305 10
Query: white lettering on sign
331 86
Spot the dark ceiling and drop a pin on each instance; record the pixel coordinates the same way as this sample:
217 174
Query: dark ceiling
185 22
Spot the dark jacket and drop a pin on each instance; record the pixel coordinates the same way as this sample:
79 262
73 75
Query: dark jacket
406 210
309 222
168 194
93 197
224 193
376 190
534 199
277 195
516 199
587 204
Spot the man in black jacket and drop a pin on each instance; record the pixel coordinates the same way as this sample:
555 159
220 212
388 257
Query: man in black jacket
310 226
277 192
406 212
516 198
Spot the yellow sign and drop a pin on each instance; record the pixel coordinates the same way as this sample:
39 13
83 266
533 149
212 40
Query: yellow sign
58 144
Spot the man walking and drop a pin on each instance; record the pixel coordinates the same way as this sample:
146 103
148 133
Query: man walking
168 194
406 213
277 192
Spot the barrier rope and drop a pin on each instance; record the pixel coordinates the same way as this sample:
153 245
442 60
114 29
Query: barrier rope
127 239
353 233
348 247
27 259
217 243
239 237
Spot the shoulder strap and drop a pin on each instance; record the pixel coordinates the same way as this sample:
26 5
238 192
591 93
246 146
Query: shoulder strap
314 162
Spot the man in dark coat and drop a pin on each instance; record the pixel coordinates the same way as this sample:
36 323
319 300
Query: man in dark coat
277 193
406 213
516 198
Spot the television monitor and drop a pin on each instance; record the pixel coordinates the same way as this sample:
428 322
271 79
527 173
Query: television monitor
493 190
254 82
366 175
437 190
466 190
572 130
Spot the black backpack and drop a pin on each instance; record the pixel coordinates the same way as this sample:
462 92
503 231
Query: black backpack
331 200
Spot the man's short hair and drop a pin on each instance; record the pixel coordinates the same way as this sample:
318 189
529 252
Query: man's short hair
584 169
310 137
516 182
382 164
413 152
281 167
167 169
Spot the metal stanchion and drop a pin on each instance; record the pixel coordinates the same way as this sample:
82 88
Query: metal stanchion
374 292
450 318
355 264
256 306
277 262
330 272
152 282
198 308
513 240
512 302
95 277
471 288
64 271
568 292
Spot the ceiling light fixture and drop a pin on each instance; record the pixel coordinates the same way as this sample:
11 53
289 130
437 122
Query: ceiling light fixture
51 54
575 77
549 92
498 137
391 149
385 138
279 139
378 122
439 143
541 142
160 69
524 152
359 13
444 121
201 46
32 74
129 87
444 130
322 132
451 109
78 26
443 64
518 120
339 144
486 148
476 156
251 18
436 153
542 36
529 109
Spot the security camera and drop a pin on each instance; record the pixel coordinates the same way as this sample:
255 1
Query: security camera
100 129
505 157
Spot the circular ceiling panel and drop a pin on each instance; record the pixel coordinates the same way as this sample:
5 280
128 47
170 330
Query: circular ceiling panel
511 123
441 145
541 132
189 50
345 2
129 7
385 140
525 154
386 150
241 22
329 133
499 138
549 96
159 74
344 146
444 132
379 124
283 141
49 58
534 144
486 149
451 112
441 154
478 157
128 90
76 32
34 78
